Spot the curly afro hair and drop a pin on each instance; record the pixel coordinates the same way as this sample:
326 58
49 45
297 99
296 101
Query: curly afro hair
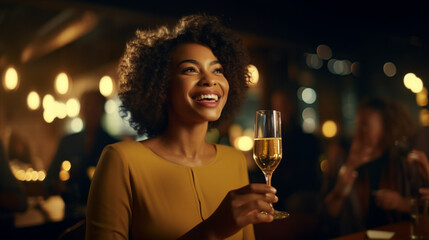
144 70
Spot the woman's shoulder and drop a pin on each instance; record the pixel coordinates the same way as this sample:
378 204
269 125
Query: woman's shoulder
127 147
228 151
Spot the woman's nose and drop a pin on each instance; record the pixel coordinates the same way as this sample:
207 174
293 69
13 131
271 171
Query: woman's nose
207 80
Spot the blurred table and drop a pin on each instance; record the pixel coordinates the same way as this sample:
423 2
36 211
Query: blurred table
401 230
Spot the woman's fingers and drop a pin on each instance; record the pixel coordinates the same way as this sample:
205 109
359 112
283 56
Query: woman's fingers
256 188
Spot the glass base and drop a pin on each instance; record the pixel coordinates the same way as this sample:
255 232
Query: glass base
280 215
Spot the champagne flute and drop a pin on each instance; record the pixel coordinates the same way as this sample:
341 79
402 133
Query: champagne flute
267 151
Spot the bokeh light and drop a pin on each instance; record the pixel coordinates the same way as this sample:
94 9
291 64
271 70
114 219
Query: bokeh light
329 129
106 86
33 100
412 82
62 83
66 165
244 143
72 107
324 52
389 69
422 97
253 75
10 79
308 95
309 125
424 117
313 61
76 125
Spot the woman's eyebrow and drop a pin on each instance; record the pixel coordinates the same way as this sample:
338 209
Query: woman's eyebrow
196 62
188 61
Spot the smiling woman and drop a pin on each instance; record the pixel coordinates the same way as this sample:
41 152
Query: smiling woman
174 82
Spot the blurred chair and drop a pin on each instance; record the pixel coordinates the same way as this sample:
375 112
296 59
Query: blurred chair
75 232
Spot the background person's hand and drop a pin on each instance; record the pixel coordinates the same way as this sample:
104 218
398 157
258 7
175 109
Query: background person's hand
391 200
424 192
421 158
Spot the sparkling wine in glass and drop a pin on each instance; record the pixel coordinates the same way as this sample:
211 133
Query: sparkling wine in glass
267 151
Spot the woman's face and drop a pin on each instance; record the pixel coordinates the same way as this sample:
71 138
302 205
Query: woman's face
198 88
369 127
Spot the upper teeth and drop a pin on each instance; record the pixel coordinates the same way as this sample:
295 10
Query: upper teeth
208 96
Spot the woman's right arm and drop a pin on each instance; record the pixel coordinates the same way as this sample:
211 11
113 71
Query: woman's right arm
239 208
110 199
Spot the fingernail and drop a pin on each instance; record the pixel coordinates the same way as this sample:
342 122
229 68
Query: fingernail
272 196
273 190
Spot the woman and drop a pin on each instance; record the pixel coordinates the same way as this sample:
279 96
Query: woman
371 187
174 84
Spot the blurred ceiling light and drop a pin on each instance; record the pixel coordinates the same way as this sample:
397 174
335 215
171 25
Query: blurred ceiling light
324 52
62 83
253 75
313 61
72 107
329 129
424 117
244 143
41 175
308 112
48 101
422 97
309 96
389 69
33 100
61 30
417 86
49 115
412 82
10 79
106 86
76 125
409 79
110 106
66 165
355 68
309 125
60 110
64 175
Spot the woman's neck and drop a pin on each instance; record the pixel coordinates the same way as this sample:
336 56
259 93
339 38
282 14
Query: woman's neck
184 145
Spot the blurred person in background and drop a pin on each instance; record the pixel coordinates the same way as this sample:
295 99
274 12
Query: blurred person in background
371 186
13 197
420 155
82 150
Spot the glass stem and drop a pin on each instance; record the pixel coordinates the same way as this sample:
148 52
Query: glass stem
268 181
268 178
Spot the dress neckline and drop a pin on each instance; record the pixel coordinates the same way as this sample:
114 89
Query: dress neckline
211 162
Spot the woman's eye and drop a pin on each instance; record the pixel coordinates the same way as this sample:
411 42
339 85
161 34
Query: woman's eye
218 70
189 69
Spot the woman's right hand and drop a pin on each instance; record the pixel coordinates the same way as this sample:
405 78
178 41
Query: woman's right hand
239 208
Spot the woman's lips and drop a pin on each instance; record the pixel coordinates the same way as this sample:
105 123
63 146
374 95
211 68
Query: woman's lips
207 98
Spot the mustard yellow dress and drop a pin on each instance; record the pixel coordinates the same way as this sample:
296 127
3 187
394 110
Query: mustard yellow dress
139 195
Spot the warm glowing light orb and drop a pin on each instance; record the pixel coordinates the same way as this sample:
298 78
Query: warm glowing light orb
106 86
10 80
329 129
62 83
33 100
253 75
